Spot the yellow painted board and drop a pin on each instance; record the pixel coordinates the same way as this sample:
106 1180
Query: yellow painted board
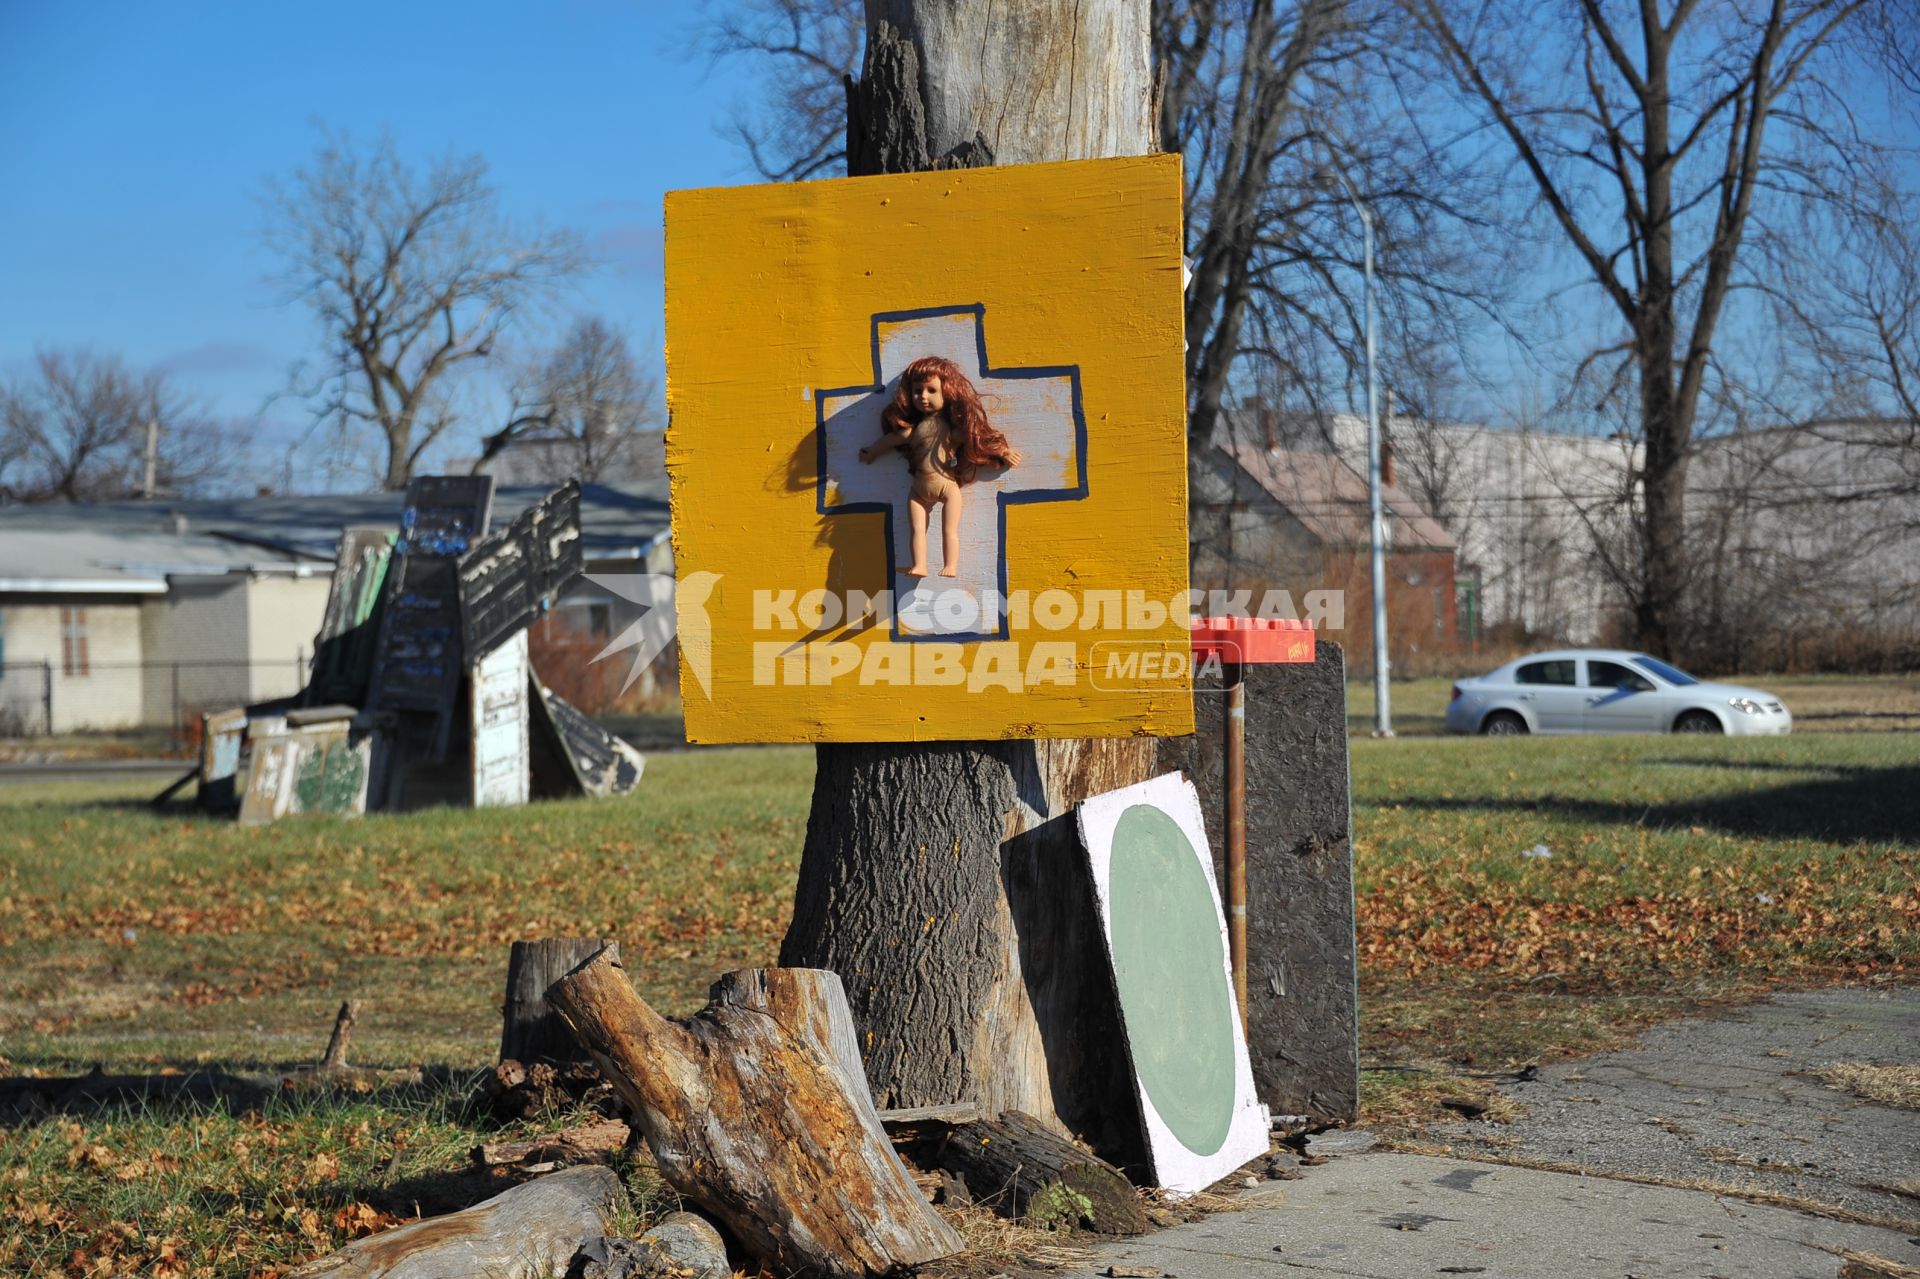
791 311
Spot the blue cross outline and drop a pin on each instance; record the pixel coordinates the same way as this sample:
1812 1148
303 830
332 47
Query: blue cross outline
982 372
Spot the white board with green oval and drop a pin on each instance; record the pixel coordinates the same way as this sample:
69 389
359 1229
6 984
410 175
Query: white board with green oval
1167 941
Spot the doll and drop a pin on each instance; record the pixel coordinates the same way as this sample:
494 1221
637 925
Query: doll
937 418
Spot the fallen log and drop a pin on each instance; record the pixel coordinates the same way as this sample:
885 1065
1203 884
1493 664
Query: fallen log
1020 1169
595 1141
530 1232
752 1115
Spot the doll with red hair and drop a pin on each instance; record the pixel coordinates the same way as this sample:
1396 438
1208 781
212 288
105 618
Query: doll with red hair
936 416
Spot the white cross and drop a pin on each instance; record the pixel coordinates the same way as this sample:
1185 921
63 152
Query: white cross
1039 411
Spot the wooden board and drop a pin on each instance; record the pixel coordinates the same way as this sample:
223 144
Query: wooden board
322 768
499 684
445 514
791 311
1167 940
511 577
572 755
349 630
221 733
419 664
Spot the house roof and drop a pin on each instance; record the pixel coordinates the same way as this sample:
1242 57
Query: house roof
1329 498
133 547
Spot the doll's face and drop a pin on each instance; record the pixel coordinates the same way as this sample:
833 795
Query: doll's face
926 395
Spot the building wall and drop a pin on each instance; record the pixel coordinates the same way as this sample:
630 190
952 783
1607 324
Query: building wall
195 638
1524 506
283 616
107 694
1244 539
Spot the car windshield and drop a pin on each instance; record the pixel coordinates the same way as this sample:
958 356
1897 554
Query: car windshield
1672 674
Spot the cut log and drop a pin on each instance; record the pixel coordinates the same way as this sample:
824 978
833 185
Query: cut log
595 1141
530 1232
751 1115
1020 1169
529 1030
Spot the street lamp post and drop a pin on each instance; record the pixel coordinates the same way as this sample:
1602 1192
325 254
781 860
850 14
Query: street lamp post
1382 703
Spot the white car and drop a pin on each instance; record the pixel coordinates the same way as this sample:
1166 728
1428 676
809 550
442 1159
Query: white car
1600 690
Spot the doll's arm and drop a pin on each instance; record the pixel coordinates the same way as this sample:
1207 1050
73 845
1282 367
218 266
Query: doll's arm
887 441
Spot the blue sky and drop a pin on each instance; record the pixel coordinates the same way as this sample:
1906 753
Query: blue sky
135 139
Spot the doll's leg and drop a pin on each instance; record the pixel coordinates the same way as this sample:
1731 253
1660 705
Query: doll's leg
917 516
950 532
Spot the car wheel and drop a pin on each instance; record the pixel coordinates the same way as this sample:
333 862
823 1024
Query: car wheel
1698 722
1504 724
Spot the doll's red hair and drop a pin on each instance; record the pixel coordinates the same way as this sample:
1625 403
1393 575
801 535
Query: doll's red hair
980 443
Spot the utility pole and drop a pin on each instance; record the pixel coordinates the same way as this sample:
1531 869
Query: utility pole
151 482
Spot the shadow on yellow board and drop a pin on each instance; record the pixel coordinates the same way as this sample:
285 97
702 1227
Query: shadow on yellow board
1049 600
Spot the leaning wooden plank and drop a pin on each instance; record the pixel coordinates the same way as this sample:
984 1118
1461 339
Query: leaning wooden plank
572 755
530 1232
750 1115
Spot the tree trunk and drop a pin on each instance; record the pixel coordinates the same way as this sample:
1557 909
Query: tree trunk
751 1114
530 1030
938 879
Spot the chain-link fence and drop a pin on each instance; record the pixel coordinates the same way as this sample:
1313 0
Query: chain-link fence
42 698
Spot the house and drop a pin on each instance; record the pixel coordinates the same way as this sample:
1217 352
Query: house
1298 520
143 613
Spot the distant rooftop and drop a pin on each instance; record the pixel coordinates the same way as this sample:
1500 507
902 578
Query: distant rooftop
132 547
1330 499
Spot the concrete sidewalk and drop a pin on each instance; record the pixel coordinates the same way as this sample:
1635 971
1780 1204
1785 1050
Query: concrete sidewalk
1394 1216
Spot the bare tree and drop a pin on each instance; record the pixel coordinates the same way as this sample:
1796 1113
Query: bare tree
412 275
585 409
81 427
1274 105
1658 145
809 49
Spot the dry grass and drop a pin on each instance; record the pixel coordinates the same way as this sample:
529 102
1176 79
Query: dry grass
1888 1085
995 1244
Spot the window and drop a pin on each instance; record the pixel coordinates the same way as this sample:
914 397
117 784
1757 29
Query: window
73 641
1672 674
1545 673
1614 675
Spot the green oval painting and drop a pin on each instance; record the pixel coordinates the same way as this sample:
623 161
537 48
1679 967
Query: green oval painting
1169 960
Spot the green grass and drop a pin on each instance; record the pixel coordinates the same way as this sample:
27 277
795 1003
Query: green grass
1682 872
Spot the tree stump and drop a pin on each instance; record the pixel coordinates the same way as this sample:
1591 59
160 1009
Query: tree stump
939 879
1020 1169
750 1114
530 1030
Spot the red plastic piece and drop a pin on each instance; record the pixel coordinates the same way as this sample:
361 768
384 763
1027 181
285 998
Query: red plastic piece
1252 641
